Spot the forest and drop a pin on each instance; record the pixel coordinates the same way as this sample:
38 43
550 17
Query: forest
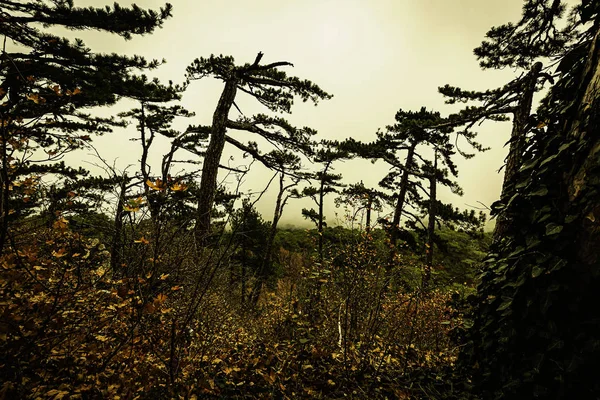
165 281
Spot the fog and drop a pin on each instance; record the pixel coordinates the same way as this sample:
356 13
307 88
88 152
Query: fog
375 57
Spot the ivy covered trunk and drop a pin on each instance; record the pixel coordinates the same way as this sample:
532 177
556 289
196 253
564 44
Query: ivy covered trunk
583 179
536 331
521 118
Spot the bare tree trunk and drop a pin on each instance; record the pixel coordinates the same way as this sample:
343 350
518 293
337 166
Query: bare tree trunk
153 204
320 226
13 87
4 190
266 261
279 204
517 140
369 209
210 167
116 246
243 286
431 224
400 204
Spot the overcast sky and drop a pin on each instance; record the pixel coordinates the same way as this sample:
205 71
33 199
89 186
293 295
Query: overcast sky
374 56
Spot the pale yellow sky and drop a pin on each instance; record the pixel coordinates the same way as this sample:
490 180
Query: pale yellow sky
374 56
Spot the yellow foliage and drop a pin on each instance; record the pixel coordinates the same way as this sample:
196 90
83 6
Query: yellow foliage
158 185
36 98
179 187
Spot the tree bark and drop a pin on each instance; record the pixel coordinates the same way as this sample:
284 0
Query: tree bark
431 224
369 209
581 179
320 226
517 141
400 203
243 286
116 247
4 190
266 261
545 335
210 167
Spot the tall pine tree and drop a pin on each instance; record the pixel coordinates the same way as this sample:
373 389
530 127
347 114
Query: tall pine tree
272 88
47 81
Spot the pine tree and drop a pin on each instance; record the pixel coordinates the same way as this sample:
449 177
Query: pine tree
167 195
46 82
272 88
365 198
401 146
252 234
514 98
289 176
440 215
521 51
327 153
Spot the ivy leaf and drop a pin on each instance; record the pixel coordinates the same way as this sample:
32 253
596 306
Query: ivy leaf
532 241
536 271
505 304
512 199
531 164
571 218
558 265
547 160
553 229
542 191
522 184
566 146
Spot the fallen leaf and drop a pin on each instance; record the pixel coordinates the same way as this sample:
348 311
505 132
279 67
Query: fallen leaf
161 298
60 253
